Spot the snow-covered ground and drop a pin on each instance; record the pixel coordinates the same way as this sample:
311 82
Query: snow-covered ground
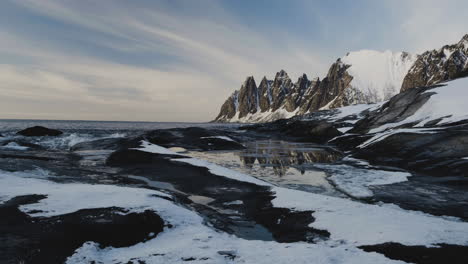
356 181
189 237
350 223
447 104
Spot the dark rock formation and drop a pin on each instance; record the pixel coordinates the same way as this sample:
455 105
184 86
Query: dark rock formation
298 130
436 66
39 131
441 254
192 138
52 240
331 91
439 154
264 94
248 98
282 87
400 107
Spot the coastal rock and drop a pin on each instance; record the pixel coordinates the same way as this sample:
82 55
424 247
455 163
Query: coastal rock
39 131
41 240
397 109
317 131
440 154
192 138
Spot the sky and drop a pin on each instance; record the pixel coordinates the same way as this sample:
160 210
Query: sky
178 60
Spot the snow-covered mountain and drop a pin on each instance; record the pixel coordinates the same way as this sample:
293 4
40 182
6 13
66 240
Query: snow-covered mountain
378 75
436 66
360 77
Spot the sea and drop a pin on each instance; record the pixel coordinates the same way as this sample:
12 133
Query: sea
77 131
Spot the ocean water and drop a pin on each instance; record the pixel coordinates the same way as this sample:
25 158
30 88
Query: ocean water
9 125
81 131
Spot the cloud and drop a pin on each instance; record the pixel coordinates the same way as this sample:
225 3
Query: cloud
207 56
179 60
429 24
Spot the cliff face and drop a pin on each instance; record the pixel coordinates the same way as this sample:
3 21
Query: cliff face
436 66
360 77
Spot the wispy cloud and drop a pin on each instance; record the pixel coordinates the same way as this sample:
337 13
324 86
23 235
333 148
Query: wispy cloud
171 60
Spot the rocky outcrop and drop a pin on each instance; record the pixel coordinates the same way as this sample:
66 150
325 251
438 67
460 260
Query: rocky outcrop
39 131
436 66
397 109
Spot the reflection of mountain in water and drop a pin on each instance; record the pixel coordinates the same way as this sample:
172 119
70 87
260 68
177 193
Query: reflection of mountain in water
281 155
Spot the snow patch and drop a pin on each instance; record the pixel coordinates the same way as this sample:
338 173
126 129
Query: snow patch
188 238
153 148
355 181
224 172
358 224
222 137
447 104
378 75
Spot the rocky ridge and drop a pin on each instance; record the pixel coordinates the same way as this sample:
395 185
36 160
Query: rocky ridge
360 77
436 66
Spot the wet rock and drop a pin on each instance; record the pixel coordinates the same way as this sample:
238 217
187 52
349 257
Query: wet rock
400 107
316 131
349 142
442 254
288 226
132 157
193 138
442 196
51 240
39 131
439 154
256 215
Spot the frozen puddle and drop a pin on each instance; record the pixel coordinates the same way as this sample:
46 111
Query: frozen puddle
305 167
281 163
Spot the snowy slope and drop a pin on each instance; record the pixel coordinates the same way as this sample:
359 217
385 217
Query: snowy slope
379 75
448 103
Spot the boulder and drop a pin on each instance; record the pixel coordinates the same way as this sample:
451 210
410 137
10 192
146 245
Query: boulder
39 131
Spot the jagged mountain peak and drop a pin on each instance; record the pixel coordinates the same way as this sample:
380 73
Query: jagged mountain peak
435 66
302 77
363 76
249 81
281 74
